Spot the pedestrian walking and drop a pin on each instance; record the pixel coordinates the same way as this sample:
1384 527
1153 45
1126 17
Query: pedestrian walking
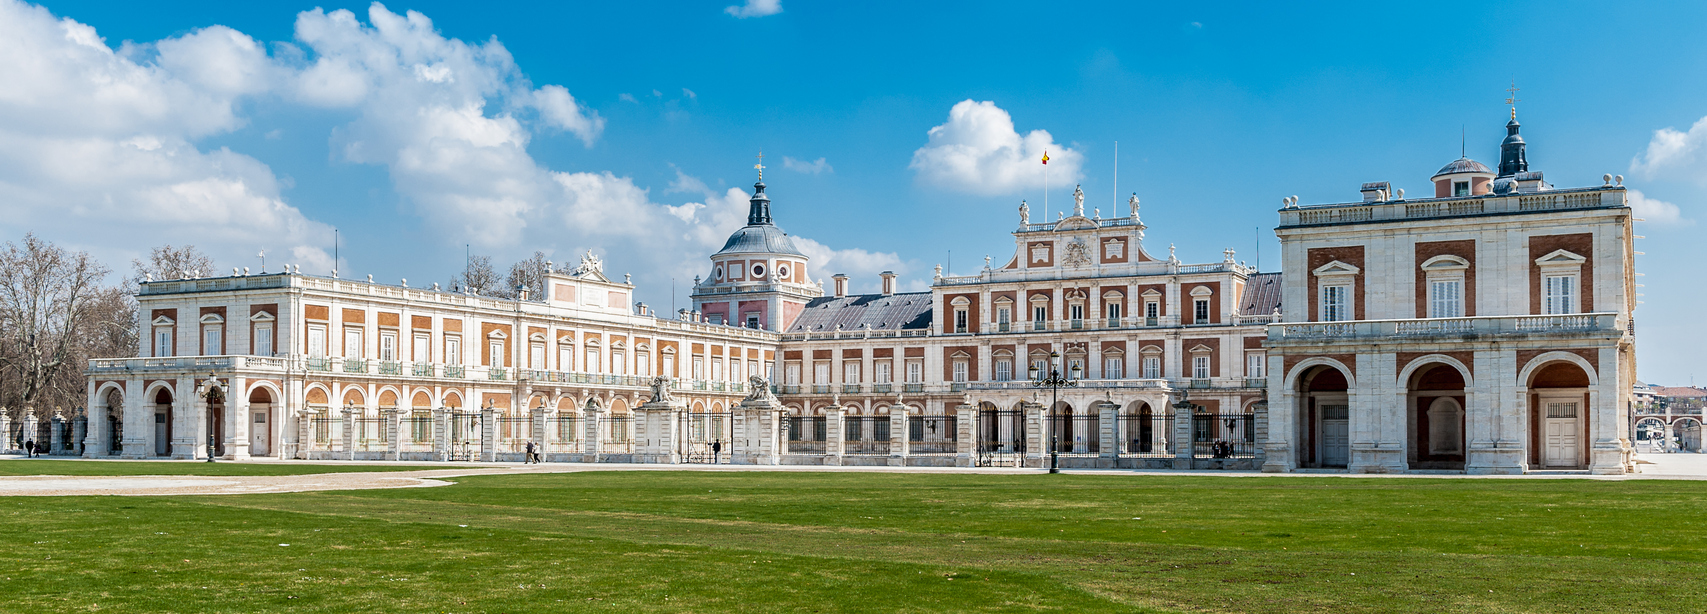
716 448
30 449
531 457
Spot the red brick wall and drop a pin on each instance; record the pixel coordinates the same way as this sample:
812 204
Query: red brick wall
1352 255
1580 244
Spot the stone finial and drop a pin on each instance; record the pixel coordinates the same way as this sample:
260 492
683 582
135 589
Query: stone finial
938 272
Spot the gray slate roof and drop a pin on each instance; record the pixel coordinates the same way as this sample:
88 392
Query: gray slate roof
1262 294
760 239
1463 165
910 310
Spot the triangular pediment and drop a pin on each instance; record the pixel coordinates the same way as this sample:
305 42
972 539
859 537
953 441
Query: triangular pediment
1200 348
1337 268
163 321
1558 257
262 316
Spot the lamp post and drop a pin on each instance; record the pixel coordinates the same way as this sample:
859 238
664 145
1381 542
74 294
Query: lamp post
208 399
1054 382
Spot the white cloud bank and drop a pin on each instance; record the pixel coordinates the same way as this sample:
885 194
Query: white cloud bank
98 145
978 152
755 8
1654 210
815 167
1672 153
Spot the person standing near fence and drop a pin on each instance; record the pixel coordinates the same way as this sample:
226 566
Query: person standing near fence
716 448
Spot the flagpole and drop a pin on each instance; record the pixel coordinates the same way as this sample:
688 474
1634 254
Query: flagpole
1046 186
1116 209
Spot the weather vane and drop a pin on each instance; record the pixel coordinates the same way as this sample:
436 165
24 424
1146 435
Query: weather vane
761 164
1512 100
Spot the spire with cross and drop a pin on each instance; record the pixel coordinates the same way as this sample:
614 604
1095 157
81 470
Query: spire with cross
1512 99
761 165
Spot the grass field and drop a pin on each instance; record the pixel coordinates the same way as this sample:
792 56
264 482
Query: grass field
865 542
48 466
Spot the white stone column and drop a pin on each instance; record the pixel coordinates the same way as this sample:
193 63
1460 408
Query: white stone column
94 425
595 439
189 420
898 448
441 434
79 430
1035 440
539 416
237 419
393 441
1108 443
6 432
349 424
56 434
138 419
835 443
488 434
30 428
966 434
1185 445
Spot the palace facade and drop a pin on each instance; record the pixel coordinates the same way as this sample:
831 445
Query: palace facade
1485 329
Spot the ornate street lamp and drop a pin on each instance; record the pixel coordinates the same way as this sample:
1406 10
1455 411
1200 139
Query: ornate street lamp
214 393
1054 382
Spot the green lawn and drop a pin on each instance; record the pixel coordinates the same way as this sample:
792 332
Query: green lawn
867 542
48 466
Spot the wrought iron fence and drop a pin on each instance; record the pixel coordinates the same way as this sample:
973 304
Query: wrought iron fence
865 434
324 428
371 433
420 425
807 434
1224 435
928 434
464 435
514 433
1147 434
1074 433
704 429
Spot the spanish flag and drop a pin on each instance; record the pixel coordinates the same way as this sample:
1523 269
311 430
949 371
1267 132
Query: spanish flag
1045 156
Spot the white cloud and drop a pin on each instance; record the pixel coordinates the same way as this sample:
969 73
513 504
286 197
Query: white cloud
626 97
860 265
978 151
689 93
1656 211
755 8
688 183
1674 153
97 146
814 167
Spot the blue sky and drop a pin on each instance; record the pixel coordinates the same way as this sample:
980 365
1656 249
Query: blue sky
623 127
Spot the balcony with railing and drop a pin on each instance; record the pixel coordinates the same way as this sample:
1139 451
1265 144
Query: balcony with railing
422 369
912 387
390 367
497 374
1585 324
1426 208
820 389
880 388
355 365
850 388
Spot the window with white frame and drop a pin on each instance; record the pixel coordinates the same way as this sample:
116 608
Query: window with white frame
388 346
1254 365
1152 367
716 369
1040 364
821 373
1444 277
1004 369
213 337
353 343
453 350
1335 282
1152 309
263 340
618 362
592 363
422 351
1004 315
1113 367
536 356
669 364
1200 311
1113 310
1200 366
791 374
915 371
960 370
1039 311
1075 366
163 341
1336 303
1076 311
1560 294
960 320
565 357
699 367
494 353
882 372
850 372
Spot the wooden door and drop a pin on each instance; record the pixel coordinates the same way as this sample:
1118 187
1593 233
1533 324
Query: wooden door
1559 446
162 436
1335 436
260 435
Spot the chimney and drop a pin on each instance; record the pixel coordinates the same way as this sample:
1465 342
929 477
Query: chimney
841 284
888 282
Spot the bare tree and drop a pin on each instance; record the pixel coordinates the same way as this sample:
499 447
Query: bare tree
49 298
166 262
530 274
480 278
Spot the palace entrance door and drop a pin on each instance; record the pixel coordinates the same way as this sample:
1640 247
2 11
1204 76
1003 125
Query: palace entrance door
1560 429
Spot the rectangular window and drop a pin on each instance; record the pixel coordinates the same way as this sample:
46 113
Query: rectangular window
1113 310
1039 313
1040 366
495 354
752 320
352 343
915 371
821 373
591 364
211 338
1200 366
1004 370
959 370
1003 316
423 348
618 363
717 369
453 350
643 364
1076 311
388 347
791 374
565 358
1113 367
1460 188
163 341
669 365
1253 365
1561 294
960 320
1446 298
882 372
536 356
1335 300
1200 311
1152 309
699 367
1152 367
264 340
1075 367
850 372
